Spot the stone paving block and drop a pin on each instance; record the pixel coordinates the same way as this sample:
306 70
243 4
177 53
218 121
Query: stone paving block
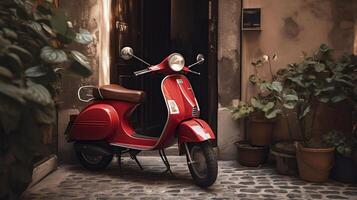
234 182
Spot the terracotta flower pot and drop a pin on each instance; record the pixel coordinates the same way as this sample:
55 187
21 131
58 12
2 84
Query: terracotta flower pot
285 156
260 131
314 164
251 156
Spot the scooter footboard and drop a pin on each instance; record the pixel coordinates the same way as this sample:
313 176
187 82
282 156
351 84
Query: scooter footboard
194 130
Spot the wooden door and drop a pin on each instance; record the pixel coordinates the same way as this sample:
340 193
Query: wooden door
155 29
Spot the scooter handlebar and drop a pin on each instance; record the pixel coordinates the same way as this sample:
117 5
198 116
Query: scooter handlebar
141 72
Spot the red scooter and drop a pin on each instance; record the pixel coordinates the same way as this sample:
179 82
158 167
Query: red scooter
103 128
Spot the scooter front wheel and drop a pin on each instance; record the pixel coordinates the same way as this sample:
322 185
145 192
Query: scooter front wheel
94 162
204 167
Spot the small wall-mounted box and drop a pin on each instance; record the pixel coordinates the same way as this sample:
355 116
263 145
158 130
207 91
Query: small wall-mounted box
251 20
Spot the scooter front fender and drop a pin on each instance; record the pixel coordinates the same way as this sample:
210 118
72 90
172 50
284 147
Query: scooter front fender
194 130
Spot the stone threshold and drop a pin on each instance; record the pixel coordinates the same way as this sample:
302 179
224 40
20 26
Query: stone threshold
43 169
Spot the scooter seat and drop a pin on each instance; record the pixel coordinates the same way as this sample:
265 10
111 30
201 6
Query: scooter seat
117 92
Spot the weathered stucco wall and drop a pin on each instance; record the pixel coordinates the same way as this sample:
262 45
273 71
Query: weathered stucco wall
83 14
229 12
288 29
292 27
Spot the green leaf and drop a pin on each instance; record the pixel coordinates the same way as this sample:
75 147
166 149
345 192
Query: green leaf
324 99
338 98
253 79
4 42
290 97
12 92
297 79
305 112
48 30
289 105
265 86
37 29
84 37
277 86
319 67
25 55
324 48
258 63
35 72
256 103
272 114
46 114
81 65
8 33
38 94
53 56
268 106
14 63
4 72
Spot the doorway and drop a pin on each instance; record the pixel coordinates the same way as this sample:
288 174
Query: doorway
155 29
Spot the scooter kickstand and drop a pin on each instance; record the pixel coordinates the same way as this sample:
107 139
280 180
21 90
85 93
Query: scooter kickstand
119 161
133 156
166 161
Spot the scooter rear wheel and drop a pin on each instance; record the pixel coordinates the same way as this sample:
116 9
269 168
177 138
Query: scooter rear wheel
204 167
94 162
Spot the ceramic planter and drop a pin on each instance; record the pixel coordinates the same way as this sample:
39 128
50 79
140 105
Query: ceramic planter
314 164
285 156
260 131
251 156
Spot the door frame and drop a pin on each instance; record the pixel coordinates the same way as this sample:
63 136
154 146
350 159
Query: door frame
211 59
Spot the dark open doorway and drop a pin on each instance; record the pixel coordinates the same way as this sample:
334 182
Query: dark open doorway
155 29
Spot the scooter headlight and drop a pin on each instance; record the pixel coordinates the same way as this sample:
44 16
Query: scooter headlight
176 62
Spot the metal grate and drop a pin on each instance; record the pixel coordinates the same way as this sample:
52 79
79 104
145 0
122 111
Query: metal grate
195 112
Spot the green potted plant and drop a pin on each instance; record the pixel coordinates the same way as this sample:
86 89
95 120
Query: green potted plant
271 101
318 79
248 155
344 168
33 54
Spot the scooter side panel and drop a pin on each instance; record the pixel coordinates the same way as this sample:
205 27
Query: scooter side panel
97 122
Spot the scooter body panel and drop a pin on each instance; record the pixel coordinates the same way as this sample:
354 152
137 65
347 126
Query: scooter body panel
116 128
194 130
97 121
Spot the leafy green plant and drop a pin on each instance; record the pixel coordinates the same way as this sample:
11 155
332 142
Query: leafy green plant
343 143
34 52
320 79
272 99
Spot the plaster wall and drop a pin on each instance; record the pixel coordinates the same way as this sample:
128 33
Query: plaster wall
288 29
83 14
229 131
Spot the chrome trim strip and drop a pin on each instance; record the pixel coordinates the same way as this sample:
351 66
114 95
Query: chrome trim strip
184 94
129 146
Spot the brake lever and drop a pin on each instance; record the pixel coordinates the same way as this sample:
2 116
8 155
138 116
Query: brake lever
194 72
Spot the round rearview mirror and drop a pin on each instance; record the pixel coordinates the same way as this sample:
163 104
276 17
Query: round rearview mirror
127 53
200 58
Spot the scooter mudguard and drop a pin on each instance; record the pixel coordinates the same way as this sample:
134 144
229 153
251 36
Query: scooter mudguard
194 130
96 122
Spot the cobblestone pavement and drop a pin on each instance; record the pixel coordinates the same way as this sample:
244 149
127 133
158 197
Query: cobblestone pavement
234 182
